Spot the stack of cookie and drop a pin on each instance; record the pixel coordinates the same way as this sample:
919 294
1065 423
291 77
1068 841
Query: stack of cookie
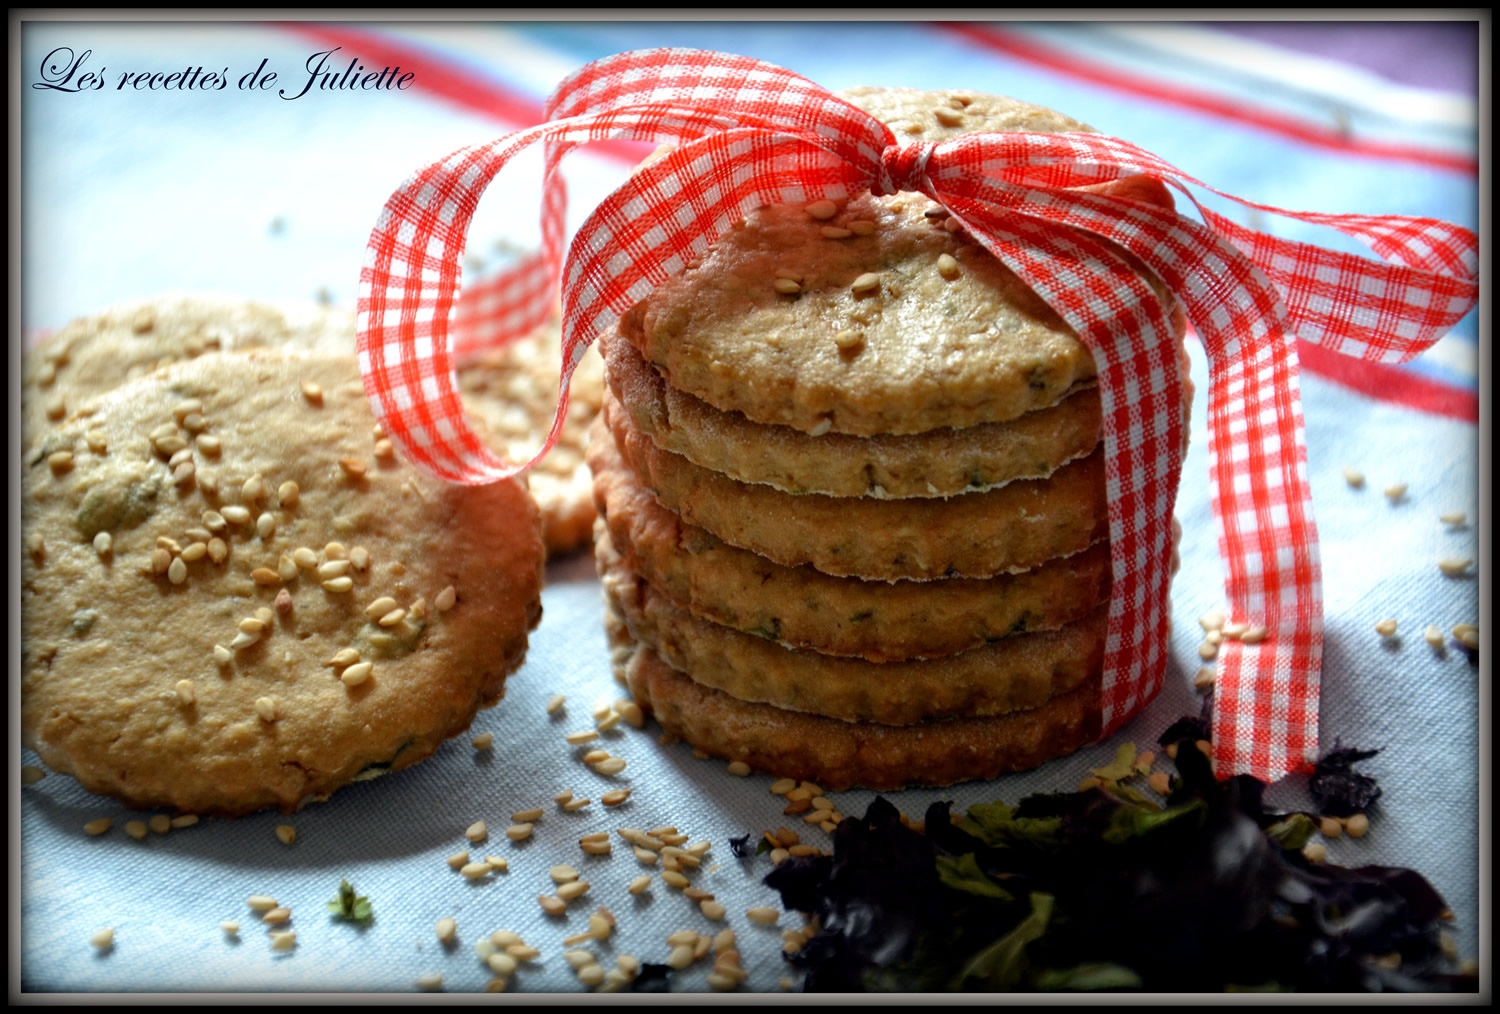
854 525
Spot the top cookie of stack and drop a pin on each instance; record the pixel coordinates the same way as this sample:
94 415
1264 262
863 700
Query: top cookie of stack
851 430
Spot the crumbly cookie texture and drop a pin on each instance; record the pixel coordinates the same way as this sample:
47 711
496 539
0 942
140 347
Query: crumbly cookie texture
841 755
940 462
514 390
1013 674
1007 529
883 317
234 596
94 354
880 621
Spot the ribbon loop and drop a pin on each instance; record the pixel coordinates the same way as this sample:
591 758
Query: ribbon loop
903 167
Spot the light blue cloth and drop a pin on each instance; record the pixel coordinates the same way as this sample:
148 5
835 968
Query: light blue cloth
128 194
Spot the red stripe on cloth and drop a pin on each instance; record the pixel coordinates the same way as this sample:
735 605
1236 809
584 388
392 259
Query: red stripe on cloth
1390 383
468 91
1030 51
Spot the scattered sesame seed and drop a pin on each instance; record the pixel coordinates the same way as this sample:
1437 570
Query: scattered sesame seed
738 768
595 756
483 741
261 902
474 871
1455 518
862 227
265 526
359 557
209 444
97 440
185 820
822 210
519 832
551 905
836 232
526 816
1354 477
576 804
229 926
581 736
193 551
283 941
384 448
948 117
312 392
428 981
218 549
477 831
1254 635
712 909
947 266
276 915
639 884
498 863
177 571
612 766
265 707
355 467
222 655
501 963
458 859
1208 651
339 585
1467 635
445 599
1396 492
234 514
185 694
1315 852
786 286
99 826
572 889
763 914
286 833
867 282
614 797
1330 827
136 829
1454 566
103 939
1357 825
1206 678
1386 628
555 702
823 426
392 618
579 959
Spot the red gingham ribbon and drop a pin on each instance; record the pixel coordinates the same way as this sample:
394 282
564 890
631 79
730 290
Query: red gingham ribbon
750 134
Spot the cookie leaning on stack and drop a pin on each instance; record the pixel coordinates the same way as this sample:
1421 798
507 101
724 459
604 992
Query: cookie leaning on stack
852 491
234 595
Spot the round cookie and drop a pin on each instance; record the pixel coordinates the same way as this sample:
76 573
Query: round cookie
855 323
94 354
514 390
234 596
1012 674
800 606
1013 527
940 462
842 755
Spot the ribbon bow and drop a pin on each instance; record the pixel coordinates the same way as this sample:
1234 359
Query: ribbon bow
750 133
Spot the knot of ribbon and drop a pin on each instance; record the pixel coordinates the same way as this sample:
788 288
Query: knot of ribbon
902 167
750 133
